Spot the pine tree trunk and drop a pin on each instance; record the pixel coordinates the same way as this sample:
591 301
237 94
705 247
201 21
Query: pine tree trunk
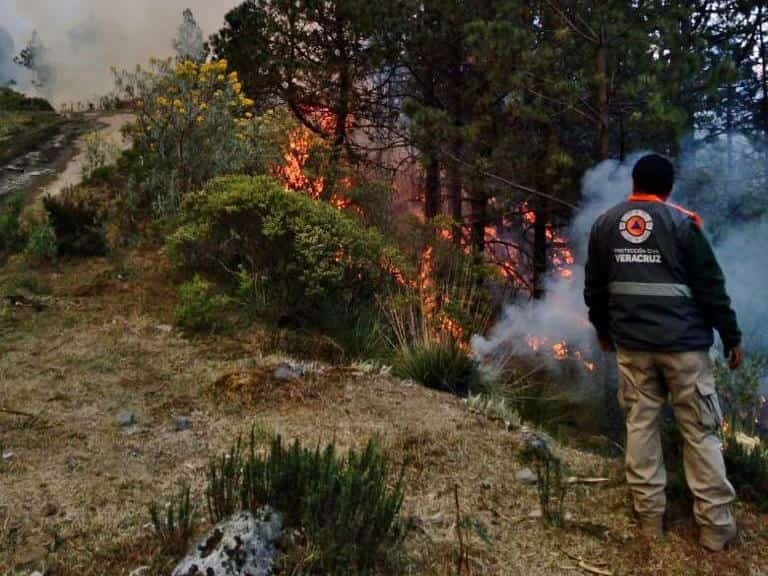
540 248
432 200
602 143
479 205
455 192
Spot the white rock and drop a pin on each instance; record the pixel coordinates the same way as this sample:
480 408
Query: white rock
242 545
526 476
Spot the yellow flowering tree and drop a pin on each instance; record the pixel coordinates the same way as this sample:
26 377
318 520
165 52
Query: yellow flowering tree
192 124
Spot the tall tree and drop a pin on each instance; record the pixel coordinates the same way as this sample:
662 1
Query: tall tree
317 57
188 43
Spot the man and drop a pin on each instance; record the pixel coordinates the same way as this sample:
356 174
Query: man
655 292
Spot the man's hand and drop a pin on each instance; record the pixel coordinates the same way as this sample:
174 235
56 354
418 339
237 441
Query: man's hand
606 344
735 357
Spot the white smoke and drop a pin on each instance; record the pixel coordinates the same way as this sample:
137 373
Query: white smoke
189 43
85 38
8 70
740 244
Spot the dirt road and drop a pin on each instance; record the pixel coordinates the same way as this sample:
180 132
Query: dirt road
109 126
57 163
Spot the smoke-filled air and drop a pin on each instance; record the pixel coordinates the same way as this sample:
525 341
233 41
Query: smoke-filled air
80 40
383 287
712 180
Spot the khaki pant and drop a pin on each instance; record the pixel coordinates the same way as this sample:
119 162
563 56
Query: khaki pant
686 378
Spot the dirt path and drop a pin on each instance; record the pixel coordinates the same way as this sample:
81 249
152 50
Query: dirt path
58 162
74 492
109 126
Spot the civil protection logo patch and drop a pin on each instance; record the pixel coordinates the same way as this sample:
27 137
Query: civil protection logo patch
636 226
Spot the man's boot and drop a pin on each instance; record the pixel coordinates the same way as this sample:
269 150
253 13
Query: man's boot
717 538
652 527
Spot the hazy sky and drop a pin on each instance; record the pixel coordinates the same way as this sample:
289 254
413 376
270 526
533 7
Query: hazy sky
86 37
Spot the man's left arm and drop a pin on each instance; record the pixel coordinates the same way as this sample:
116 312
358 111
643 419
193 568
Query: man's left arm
707 282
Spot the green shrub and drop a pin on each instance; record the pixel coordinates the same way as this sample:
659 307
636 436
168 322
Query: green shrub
748 471
299 253
199 307
343 506
738 391
77 217
441 364
551 479
11 236
99 152
41 243
191 124
12 100
176 526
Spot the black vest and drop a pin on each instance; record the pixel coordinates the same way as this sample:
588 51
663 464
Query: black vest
642 252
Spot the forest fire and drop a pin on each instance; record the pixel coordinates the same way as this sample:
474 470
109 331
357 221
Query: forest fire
294 173
559 351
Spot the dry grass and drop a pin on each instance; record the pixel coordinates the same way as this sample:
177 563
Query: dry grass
74 496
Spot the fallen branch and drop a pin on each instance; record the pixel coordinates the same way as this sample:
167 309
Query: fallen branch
586 566
17 413
576 480
594 569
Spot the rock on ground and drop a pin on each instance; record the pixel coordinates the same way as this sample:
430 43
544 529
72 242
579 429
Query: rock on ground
526 476
244 544
126 418
285 371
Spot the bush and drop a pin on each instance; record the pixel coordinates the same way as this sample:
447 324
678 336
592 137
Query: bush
551 479
176 526
12 100
199 307
41 243
342 506
748 471
99 152
11 236
738 392
441 364
295 252
192 124
77 217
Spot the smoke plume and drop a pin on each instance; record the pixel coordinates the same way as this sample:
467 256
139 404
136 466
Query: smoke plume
721 181
8 70
84 38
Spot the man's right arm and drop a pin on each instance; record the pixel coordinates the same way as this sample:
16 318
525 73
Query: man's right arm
596 288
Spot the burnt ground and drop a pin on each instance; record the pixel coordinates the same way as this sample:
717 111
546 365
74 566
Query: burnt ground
92 338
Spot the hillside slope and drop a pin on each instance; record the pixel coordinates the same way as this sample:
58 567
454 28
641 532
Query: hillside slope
83 341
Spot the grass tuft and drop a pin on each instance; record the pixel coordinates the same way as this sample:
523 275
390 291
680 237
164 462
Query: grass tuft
343 507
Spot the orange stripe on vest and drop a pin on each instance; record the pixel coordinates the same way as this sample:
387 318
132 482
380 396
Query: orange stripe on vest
653 198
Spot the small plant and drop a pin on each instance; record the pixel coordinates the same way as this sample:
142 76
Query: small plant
77 216
495 406
466 527
11 236
551 481
199 307
98 152
343 506
175 526
738 392
41 243
440 364
747 470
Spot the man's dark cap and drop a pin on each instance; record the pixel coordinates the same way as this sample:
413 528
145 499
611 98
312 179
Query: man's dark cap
654 174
